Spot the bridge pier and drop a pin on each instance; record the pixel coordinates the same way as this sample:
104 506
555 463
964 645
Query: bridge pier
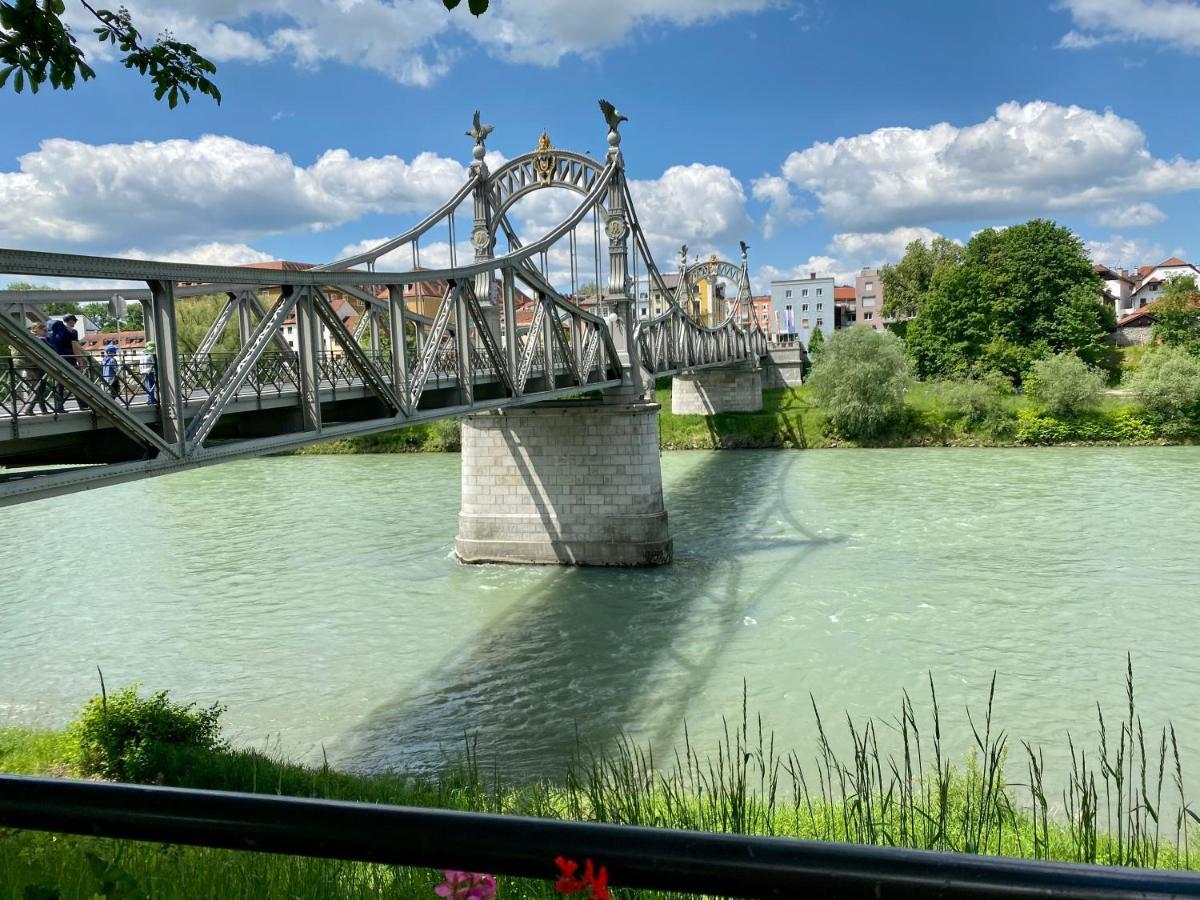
564 483
734 388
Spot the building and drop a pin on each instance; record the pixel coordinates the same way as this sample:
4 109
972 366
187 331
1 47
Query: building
651 301
126 341
1152 278
845 306
759 314
1118 289
801 306
868 299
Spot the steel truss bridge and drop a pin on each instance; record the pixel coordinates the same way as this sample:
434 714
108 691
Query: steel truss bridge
510 329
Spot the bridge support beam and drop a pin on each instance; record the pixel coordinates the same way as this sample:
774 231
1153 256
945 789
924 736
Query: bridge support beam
734 388
567 483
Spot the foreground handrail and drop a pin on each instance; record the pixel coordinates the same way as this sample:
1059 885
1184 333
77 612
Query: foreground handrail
659 859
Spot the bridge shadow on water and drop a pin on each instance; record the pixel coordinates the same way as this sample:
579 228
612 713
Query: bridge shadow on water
591 654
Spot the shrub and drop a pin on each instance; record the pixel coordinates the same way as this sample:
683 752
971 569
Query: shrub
1064 385
1123 425
860 380
977 402
128 737
1168 384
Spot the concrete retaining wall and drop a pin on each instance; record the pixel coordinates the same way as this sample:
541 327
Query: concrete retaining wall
571 483
783 367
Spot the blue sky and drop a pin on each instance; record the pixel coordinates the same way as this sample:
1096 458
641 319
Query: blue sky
825 135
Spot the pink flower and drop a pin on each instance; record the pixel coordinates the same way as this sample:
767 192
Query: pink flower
467 886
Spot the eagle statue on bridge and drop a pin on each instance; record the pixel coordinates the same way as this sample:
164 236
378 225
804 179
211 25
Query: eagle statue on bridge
612 115
745 247
480 131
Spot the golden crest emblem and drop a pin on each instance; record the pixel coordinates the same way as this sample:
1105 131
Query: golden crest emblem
543 161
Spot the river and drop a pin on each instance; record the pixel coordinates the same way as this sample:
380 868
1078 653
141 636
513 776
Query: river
319 599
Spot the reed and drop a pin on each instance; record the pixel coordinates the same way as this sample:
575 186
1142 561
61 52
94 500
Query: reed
892 783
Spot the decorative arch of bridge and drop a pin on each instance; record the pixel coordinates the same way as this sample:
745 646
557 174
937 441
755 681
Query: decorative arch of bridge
343 349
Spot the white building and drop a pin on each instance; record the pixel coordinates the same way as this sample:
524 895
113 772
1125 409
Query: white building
1152 278
801 306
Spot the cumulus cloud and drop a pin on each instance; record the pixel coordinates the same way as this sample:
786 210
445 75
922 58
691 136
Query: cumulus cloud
699 205
848 253
413 41
1137 215
69 194
1122 252
782 209
1034 159
1097 22
212 253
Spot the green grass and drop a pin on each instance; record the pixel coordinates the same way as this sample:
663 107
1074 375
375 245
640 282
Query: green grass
1122 803
790 419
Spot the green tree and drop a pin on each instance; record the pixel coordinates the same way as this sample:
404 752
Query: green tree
906 283
37 47
1177 315
860 379
1064 385
1168 383
195 315
1015 296
816 343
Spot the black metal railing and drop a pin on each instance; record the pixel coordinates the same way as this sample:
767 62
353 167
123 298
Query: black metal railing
724 865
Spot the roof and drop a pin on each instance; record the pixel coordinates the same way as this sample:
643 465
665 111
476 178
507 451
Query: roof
1138 318
843 292
1173 261
125 340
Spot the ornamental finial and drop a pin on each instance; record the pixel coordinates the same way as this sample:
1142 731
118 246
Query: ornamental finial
479 132
613 117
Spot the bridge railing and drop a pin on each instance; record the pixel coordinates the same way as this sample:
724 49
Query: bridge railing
715 865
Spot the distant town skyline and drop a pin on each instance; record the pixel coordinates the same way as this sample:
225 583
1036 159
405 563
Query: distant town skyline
826 136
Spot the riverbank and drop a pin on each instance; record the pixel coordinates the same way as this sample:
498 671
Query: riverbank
875 793
791 420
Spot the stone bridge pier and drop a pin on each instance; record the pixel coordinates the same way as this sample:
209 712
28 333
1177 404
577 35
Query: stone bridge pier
733 388
564 483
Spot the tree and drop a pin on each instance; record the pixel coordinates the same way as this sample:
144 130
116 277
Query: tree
1064 385
907 282
1013 297
860 379
816 343
1168 384
1177 315
36 46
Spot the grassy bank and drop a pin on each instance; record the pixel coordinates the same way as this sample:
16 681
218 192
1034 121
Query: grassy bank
894 786
791 419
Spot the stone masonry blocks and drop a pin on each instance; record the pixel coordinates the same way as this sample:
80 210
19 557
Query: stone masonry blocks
736 388
566 483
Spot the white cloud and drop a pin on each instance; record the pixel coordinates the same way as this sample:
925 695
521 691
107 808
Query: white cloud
847 254
782 210
182 192
1174 22
413 41
213 254
1128 253
699 205
1137 215
1036 159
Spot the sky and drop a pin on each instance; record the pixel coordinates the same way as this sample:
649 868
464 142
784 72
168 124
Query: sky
826 135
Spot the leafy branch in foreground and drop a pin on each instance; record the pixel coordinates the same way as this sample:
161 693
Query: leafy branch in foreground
477 7
36 47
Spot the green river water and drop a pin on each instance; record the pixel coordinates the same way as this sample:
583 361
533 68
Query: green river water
319 599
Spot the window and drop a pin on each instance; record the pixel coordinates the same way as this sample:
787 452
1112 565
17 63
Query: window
1154 287
868 301
804 292
643 312
820 291
789 307
868 315
820 322
787 293
819 305
804 307
869 287
804 323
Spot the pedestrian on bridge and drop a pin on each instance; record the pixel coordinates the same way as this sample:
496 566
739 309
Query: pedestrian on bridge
31 383
148 367
110 368
64 339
